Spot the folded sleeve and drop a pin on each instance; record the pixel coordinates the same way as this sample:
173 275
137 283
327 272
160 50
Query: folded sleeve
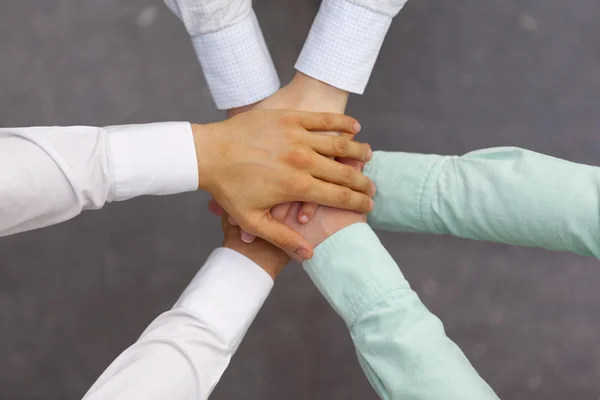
50 174
401 346
231 49
183 353
507 195
344 41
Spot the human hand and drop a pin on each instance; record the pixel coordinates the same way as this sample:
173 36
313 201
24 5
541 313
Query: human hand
263 253
262 158
326 221
307 94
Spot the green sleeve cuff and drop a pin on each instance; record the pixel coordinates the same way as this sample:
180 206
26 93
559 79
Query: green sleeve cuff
353 270
405 187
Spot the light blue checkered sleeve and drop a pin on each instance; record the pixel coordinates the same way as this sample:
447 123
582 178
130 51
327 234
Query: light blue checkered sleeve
344 41
231 49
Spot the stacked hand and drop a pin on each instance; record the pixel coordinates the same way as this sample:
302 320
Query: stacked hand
262 158
326 222
306 94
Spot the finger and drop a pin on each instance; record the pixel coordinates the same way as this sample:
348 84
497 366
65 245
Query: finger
247 237
332 195
306 212
357 165
215 208
232 221
328 122
336 146
342 174
281 236
280 211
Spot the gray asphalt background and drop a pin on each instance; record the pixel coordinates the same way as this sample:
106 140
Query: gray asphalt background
453 76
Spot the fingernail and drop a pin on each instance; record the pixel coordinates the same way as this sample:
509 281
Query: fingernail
369 154
356 126
373 189
247 237
371 204
303 253
303 218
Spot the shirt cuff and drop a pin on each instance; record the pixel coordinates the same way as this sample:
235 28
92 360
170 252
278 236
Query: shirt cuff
153 159
343 45
227 292
406 184
237 64
353 270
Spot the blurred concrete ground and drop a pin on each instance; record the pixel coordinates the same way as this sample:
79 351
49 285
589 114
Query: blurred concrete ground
452 77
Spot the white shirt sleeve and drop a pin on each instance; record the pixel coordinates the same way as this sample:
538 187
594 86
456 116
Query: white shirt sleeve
344 41
50 174
231 49
184 352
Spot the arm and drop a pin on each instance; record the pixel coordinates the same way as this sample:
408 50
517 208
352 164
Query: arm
251 163
50 174
184 352
506 195
344 41
231 49
401 346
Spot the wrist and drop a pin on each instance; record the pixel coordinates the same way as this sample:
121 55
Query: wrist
313 88
232 112
271 259
205 150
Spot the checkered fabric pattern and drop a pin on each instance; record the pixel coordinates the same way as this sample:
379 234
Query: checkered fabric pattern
344 41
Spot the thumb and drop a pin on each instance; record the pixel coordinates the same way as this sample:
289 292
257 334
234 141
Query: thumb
283 237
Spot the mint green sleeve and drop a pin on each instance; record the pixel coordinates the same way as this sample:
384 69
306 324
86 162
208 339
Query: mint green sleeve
401 346
505 194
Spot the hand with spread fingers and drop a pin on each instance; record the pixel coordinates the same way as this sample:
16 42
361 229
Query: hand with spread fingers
261 158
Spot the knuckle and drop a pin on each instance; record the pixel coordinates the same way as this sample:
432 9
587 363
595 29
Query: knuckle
299 158
283 241
326 119
341 146
287 119
364 203
344 195
347 174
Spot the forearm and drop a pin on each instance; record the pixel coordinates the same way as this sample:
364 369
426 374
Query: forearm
51 174
184 352
401 346
506 195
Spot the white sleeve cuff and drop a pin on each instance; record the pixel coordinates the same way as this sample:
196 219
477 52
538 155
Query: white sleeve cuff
343 45
227 292
237 64
153 159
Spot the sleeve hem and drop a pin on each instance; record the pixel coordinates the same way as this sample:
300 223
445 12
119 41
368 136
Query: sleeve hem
343 45
237 64
227 292
153 159
353 270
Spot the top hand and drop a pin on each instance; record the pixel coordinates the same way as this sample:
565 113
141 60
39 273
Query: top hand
262 158
327 220
307 94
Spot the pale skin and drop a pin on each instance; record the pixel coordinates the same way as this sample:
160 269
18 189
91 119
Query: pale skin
261 158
